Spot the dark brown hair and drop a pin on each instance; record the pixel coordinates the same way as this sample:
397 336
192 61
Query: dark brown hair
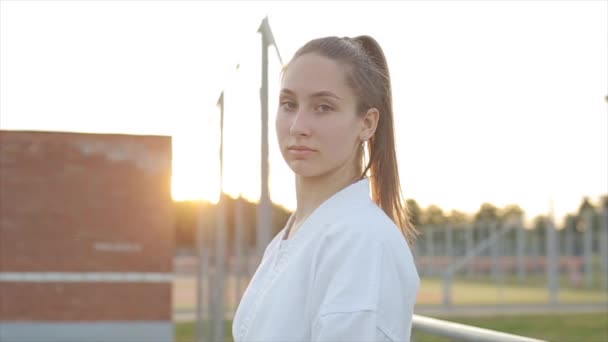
367 74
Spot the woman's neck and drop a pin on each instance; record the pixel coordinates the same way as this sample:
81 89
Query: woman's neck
311 192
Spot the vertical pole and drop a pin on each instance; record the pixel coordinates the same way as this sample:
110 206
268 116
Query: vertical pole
423 251
520 235
201 273
459 241
499 256
238 248
469 229
206 295
569 239
552 260
447 280
604 246
534 250
494 251
430 243
570 250
588 247
449 234
220 238
264 207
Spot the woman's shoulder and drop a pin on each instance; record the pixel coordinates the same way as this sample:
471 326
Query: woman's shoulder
368 222
369 233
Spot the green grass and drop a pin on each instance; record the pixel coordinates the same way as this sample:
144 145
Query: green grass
186 331
555 328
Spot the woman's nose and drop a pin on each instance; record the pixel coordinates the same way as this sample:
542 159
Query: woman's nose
300 124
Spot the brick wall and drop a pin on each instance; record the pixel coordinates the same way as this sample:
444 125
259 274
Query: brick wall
72 202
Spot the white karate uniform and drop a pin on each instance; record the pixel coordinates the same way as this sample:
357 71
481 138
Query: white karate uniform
347 274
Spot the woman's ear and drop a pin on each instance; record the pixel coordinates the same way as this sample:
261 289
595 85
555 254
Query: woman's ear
369 123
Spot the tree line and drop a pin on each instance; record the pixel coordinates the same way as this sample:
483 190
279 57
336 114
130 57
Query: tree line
189 214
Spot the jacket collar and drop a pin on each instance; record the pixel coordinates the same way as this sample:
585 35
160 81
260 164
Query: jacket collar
341 204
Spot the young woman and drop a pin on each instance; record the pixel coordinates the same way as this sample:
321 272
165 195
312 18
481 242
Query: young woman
341 269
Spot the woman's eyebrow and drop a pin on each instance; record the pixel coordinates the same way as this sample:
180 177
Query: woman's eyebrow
325 93
322 93
286 91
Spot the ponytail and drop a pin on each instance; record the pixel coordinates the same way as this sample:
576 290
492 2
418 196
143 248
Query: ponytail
382 164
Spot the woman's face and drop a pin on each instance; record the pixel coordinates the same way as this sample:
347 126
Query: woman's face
317 125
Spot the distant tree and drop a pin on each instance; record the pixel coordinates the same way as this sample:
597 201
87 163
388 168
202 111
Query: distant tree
584 207
185 217
487 212
569 222
188 215
433 215
540 222
415 212
539 226
458 217
511 210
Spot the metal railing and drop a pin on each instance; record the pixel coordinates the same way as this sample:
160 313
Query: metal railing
463 332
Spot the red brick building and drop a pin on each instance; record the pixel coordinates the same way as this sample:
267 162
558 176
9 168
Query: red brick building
86 237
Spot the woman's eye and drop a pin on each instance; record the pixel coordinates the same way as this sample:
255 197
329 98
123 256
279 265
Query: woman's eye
324 108
288 105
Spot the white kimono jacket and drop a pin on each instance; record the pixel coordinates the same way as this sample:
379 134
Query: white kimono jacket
347 274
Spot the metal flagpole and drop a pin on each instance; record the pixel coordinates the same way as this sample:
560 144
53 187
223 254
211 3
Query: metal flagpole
220 240
264 221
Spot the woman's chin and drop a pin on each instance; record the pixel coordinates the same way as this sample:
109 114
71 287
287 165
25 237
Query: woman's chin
302 170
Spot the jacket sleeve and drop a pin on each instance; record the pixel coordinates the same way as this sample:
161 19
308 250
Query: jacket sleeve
346 288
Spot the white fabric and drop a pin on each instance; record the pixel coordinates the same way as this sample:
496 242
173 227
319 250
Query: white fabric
347 274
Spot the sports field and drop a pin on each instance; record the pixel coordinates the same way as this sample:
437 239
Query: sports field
465 291
485 291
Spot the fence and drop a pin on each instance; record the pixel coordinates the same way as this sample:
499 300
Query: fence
574 256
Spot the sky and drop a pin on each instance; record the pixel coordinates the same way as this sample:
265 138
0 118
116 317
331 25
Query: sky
495 101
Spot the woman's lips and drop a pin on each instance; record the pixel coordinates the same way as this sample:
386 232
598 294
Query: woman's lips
300 151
